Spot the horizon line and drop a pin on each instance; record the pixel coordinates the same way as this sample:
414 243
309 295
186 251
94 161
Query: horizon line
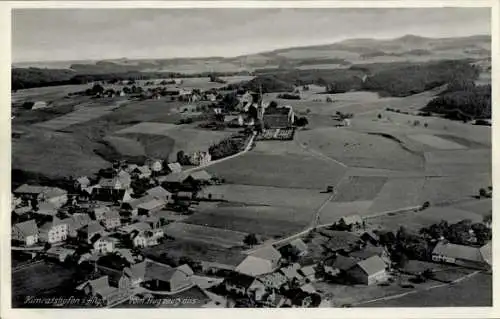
251 53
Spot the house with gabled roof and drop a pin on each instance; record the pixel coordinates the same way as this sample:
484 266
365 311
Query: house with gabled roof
26 232
142 172
76 222
54 231
309 272
292 274
53 195
370 250
151 206
111 219
244 285
369 271
88 232
162 277
174 167
262 261
466 256
159 192
338 264
101 289
46 209
202 177
104 244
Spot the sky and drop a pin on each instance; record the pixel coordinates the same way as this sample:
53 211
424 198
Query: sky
81 34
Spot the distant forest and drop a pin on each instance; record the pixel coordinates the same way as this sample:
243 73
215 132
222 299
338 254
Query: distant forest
388 79
26 78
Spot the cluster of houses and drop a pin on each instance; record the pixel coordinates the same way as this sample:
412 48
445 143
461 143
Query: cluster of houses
107 212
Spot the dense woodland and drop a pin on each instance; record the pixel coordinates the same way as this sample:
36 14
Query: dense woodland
463 101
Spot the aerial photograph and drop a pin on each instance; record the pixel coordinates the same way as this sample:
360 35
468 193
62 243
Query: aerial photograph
251 157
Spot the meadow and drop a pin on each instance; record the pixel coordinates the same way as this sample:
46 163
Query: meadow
290 171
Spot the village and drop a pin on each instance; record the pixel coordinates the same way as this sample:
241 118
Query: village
119 226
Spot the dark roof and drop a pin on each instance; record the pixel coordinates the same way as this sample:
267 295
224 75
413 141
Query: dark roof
341 262
367 251
339 240
174 178
240 280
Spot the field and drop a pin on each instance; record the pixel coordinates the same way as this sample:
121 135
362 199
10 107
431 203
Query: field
361 150
436 142
306 199
195 250
64 154
359 188
290 171
398 193
49 93
38 280
126 146
448 189
268 222
148 128
79 116
163 139
415 220
472 292
214 236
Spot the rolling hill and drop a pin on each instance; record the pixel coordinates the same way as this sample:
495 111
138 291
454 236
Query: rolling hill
337 55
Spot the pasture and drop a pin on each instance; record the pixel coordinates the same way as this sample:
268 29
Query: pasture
356 149
56 154
126 146
290 171
458 162
195 250
148 128
49 93
78 116
398 193
268 222
306 199
359 188
415 220
452 188
210 235
436 142
476 291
